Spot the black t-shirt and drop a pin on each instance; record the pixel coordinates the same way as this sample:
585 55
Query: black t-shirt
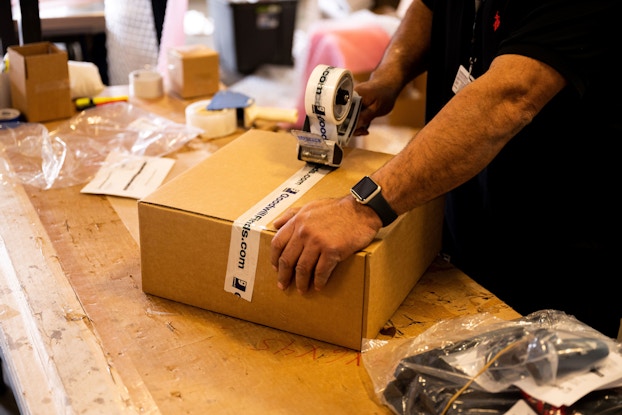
539 226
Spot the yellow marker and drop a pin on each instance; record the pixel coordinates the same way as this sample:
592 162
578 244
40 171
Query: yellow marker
92 102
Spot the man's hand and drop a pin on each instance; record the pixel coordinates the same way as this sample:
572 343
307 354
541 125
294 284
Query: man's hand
377 99
312 240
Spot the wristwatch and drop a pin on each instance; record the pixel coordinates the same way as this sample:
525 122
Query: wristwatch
368 192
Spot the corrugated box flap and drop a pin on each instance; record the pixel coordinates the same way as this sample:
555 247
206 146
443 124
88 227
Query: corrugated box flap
224 186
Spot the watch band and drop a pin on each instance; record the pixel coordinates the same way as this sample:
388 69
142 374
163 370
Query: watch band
368 192
382 208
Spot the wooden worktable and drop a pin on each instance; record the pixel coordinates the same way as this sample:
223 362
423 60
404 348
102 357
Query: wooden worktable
78 335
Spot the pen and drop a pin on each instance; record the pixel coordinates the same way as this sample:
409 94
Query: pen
82 103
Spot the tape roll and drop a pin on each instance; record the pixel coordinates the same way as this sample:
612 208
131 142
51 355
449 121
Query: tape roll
147 84
9 115
328 93
214 123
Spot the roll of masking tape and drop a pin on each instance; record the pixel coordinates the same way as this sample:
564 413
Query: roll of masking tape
147 84
214 123
9 115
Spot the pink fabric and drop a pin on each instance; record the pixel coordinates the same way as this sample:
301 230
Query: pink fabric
173 34
358 49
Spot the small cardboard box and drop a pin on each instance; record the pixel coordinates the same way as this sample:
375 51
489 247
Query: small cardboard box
193 71
40 87
185 236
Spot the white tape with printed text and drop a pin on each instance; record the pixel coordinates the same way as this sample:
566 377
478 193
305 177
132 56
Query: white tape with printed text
245 231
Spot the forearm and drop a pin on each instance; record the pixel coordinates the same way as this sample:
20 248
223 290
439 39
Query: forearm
468 132
406 56
404 59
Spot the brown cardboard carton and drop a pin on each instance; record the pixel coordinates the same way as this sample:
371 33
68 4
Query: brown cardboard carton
185 233
409 108
40 86
193 71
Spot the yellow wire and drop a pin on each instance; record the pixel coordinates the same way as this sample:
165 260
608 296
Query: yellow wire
483 369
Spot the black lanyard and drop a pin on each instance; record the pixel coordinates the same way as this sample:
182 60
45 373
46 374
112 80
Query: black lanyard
473 58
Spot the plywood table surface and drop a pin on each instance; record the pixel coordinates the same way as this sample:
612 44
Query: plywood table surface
78 335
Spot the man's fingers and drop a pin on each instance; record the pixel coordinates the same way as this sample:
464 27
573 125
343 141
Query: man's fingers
282 237
311 241
280 247
307 266
296 261
361 131
303 277
326 264
285 217
285 269
278 244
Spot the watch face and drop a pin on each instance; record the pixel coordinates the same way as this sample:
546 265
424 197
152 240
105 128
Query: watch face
365 189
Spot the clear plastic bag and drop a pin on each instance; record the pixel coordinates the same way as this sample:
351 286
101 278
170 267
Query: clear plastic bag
472 364
76 150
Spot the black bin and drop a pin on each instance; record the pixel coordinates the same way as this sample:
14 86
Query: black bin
248 34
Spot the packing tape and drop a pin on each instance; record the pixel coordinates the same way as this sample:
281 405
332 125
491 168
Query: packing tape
214 123
328 94
332 110
328 99
9 115
246 229
145 83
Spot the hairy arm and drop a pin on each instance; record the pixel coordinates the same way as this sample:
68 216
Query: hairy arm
406 56
469 131
404 59
452 148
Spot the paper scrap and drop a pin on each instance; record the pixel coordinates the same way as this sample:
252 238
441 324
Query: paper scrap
128 175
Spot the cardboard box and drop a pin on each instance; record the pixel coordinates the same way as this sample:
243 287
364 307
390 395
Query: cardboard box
193 71
40 87
409 108
185 235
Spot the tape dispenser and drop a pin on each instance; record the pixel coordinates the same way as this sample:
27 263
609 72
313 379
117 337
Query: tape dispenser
332 109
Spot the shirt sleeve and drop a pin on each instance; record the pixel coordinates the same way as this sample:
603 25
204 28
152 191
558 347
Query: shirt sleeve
578 38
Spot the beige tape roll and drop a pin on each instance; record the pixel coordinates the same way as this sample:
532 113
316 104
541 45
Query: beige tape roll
328 94
218 123
147 84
